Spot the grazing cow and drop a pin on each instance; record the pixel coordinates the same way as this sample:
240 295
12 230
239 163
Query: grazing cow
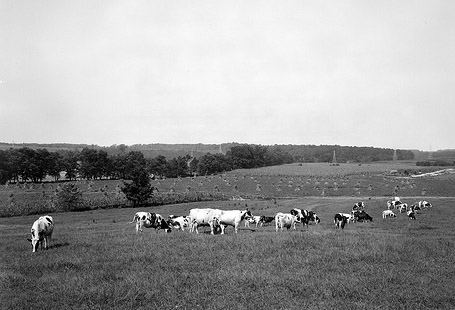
179 222
301 214
358 206
266 219
393 204
204 217
233 218
149 220
403 208
362 216
253 220
350 217
311 216
411 215
388 213
424 204
286 220
41 231
340 221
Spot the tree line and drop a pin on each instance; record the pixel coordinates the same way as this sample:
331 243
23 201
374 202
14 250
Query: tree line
34 165
27 164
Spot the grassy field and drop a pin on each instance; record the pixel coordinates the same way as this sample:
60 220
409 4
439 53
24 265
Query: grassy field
98 262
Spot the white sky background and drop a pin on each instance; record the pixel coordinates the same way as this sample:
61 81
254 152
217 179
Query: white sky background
359 73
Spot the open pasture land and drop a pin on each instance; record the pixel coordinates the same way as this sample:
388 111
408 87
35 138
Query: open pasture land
97 261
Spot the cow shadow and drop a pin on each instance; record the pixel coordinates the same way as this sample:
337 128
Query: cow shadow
59 245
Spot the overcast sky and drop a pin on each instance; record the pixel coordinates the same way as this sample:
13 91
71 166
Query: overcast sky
358 73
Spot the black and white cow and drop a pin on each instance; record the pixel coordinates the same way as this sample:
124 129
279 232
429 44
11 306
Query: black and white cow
424 204
340 221
180 222
358 206
411 215
41 231
393 204
253 220
286 220
350 217
150 220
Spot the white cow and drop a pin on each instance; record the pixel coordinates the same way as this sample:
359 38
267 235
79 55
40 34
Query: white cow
42 230
285 220
204 217
233 218
388 213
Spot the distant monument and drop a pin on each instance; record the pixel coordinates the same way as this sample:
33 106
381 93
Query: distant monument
334 160
395 156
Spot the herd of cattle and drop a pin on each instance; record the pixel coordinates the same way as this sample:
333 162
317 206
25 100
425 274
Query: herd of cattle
217 220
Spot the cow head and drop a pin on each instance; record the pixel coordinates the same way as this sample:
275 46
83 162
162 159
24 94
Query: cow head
35 240
246 215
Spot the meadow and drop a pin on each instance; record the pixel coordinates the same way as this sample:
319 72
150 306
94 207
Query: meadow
97 261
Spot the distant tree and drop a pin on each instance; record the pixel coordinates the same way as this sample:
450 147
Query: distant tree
139 189
69 197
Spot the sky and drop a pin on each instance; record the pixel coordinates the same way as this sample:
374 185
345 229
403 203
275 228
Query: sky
351 73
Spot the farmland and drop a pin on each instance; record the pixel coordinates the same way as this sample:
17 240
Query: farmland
97 261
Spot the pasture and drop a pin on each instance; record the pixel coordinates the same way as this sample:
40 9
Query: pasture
97 261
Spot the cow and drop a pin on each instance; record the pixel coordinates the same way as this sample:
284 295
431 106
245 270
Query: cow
411 215
179 222
358 206
204 217
362 216
424 204
403 208
233 218
349 217
150 220
287 220
301 214
266 219
340 220
311 216
393 204
41 231
388 213
253 220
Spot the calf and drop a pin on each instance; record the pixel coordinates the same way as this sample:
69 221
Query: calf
41 231
388 213
340 221
285 220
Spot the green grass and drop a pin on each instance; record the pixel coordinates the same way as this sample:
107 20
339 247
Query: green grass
97 261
